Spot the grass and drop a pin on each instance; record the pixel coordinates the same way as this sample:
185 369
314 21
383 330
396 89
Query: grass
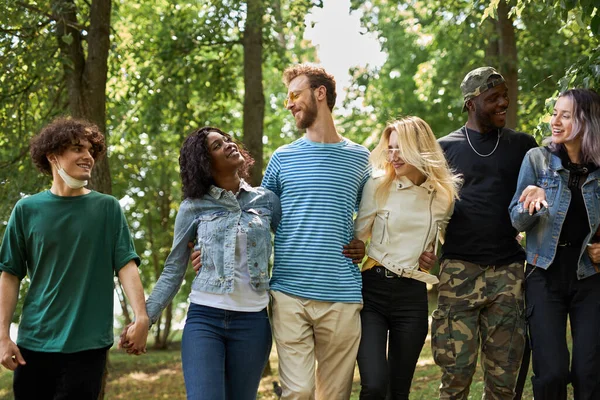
158 375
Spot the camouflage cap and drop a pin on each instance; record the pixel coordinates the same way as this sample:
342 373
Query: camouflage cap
478 81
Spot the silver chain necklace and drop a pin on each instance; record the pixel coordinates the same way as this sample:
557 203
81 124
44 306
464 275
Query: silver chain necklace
473 148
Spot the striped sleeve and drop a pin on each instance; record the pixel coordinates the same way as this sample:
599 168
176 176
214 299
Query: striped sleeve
271 178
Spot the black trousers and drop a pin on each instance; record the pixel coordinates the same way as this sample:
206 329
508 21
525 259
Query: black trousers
396 307
60 376
553 295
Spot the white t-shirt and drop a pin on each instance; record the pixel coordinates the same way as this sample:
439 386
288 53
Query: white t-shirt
243 297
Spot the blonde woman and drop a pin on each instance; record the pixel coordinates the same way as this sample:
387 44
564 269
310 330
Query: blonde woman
404 210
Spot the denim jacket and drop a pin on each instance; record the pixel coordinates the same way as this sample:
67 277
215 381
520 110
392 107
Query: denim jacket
212 222
542 168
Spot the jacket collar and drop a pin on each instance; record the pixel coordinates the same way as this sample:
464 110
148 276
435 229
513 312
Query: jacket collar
405 183
218 192
560 160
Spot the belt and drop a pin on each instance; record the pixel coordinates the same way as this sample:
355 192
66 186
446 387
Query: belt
406 273
384 272
400 270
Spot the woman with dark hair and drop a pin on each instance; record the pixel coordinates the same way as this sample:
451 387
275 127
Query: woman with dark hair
557 203
227 336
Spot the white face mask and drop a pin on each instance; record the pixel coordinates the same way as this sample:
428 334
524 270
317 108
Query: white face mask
69 180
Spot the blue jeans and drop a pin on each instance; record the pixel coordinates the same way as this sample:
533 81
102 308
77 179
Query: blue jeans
224 353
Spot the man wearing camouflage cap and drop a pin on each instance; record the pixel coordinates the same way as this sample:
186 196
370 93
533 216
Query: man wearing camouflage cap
480 299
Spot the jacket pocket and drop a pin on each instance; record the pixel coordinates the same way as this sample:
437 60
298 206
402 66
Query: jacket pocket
550 186
259 217
442 339
259 244
209 224
259 230
516 346
380 227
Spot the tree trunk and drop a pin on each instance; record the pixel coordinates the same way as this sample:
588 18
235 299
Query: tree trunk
158 332
161 334
254 99
164 343
122 302
86 76
157 272
508 60
276 5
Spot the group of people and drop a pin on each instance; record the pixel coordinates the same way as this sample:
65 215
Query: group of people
472 191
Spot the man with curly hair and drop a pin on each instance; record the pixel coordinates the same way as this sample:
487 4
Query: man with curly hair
70 241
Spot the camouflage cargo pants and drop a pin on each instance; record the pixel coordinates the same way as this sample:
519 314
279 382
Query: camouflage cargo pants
479 304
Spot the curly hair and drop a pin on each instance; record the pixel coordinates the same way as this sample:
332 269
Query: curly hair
61 133
317 76
194 163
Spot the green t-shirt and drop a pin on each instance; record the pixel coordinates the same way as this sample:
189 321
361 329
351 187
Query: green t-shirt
71 248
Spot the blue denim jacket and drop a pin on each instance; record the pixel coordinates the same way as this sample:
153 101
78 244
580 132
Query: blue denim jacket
542 168
212 221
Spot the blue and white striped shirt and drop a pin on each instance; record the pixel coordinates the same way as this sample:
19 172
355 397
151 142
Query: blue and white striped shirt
320 186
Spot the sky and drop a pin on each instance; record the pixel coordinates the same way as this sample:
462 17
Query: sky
340 45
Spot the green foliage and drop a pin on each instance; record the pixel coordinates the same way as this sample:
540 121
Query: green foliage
575 61
187 74
31 92
173 67
432 45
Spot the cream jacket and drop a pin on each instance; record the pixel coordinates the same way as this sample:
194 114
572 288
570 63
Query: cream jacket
412 220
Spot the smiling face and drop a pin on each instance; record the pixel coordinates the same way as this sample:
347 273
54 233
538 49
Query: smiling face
400 166
225 155
302 102
490 108
562 121
77 160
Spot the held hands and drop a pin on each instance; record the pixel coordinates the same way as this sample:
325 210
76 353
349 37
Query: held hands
427 261
195 257
10 355
533 198
354 250
133 338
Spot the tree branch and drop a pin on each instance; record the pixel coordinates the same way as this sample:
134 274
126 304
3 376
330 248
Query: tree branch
34 9
19 157
25 89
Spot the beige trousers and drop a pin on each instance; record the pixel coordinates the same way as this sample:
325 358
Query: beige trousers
306 331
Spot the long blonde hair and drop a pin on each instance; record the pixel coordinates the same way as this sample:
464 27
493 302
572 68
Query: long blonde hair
418 147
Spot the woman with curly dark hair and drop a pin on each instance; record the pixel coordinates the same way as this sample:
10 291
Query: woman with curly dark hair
227 336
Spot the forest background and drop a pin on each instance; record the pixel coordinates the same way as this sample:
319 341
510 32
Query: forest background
148 73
